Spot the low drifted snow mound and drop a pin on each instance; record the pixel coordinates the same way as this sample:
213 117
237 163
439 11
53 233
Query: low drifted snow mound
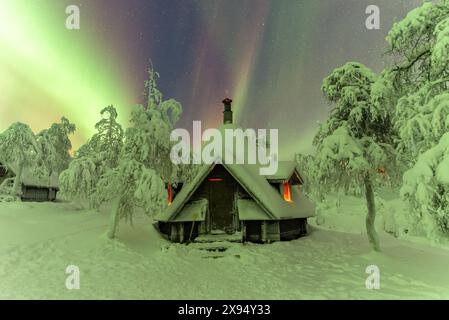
347 214
8 198
38 241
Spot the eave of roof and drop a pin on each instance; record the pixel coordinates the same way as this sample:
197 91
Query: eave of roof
193 211
286 169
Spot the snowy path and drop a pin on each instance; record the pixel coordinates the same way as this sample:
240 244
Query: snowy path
38 241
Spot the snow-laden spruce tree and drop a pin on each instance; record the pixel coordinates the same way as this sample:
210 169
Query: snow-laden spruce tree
55 145
84 150
419 45
148 140
149 136
100 154
132 183
19 149
144 165
424 120
106 144
308 169
354 144
426 187
134 186
78 181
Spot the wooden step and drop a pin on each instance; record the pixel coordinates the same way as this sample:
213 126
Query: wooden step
216 246
211 238
215 250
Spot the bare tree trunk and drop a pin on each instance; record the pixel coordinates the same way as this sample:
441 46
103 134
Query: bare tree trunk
371 216
113 223
17 186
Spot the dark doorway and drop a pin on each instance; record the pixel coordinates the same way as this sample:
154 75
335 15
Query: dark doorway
253 231
221 199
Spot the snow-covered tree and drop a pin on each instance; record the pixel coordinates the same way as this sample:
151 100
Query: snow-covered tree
148 139
84 150
144 165
134 186
19 148
354 145
423 122
79 180
100 154
309 172
412 41
55 145
419 45
426 188
107 143
133 182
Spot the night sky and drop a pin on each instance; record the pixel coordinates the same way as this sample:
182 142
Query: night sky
268 56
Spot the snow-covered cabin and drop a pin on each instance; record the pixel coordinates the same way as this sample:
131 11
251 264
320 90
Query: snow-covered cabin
236 201
34 188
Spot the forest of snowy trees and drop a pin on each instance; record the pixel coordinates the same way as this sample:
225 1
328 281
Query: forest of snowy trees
130 168
392 128
387 129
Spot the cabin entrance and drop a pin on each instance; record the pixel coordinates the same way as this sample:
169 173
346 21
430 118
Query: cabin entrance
221 199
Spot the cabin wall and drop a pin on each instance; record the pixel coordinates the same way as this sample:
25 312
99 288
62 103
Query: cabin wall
253 231
38 194
191 230
273 231
241 193
52 194
175 190
182 232
164 227
292 229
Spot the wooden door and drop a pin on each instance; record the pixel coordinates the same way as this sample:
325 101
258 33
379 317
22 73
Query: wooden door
221 199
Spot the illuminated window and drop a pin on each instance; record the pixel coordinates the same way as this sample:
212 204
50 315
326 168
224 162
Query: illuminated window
170 194
287 194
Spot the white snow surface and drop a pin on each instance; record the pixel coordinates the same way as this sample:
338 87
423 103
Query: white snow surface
39 240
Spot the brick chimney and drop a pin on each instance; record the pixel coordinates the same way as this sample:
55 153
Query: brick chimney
227 113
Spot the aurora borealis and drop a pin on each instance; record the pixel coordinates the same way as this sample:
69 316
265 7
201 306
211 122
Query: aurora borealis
268 56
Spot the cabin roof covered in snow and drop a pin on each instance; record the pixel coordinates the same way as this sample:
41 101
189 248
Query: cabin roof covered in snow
193 211
249 177
257 186
31 178
284 172
250 210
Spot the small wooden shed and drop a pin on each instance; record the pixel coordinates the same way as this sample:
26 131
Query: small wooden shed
34 188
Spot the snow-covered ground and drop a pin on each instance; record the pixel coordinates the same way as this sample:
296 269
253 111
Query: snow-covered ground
39 240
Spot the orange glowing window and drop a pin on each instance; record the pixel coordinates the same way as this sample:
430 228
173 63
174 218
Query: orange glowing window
287 194
170 194
215 179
